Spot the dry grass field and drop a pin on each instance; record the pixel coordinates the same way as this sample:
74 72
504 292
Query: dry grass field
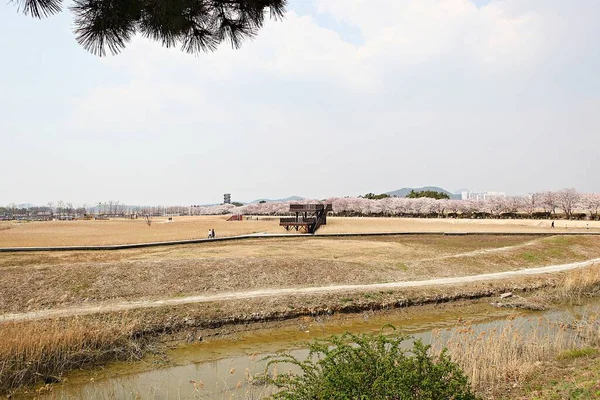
121 231
41 280
71 279
362 224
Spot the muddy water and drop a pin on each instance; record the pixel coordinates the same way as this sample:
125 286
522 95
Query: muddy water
219 368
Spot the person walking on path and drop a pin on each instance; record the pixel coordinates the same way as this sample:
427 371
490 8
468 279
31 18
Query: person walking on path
552 226
213 233
210 233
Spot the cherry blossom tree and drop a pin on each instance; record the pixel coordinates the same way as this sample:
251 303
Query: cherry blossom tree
567 200
455 206
529 203
439 207
513 204
591 203
548 200
496 205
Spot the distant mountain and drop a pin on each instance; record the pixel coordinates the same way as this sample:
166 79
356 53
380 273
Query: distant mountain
291 198
405 191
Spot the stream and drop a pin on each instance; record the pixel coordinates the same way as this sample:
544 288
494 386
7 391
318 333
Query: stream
219 368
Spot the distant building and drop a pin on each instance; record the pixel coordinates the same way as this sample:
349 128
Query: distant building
468 195
227 198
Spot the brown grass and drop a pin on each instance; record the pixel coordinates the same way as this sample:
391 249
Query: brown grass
578 285
505 357
366 224
30 281
42 351
51 347
574 375
120 231
35 350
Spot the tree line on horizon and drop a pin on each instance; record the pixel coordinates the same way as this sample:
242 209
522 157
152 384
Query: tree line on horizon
567 203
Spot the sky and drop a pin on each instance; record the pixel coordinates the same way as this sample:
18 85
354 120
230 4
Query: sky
341 98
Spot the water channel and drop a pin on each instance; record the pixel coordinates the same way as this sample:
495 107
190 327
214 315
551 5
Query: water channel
219 368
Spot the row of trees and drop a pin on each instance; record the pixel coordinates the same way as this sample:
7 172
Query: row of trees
567 203
50 211
65 210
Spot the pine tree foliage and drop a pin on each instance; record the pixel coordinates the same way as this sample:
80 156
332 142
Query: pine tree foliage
193 25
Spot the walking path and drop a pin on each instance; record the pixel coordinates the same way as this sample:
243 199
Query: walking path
297 291
277 235
479 252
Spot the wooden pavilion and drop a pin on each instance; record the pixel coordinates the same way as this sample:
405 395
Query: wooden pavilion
309 217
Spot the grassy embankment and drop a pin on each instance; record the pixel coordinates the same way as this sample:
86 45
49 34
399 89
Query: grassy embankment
44 280
51 347
496 362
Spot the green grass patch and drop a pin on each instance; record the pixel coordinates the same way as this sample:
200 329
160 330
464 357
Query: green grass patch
577 353
82 287
530 257
402 267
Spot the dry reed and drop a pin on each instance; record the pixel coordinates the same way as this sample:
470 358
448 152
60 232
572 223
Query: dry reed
509 353
578 284
37 351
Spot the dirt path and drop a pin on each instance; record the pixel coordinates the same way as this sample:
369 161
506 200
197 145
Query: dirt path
481 251
241 295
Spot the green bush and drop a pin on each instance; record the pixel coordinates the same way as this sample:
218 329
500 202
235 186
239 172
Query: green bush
427 193
372 196
370 366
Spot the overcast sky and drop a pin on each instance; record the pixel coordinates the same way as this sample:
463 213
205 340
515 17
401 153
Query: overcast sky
343 97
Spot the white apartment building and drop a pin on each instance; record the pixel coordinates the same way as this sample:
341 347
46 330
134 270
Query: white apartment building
468 195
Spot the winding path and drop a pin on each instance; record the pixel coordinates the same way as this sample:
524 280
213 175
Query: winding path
479 252
253 294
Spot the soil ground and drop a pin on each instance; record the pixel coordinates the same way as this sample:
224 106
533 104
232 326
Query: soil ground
122 231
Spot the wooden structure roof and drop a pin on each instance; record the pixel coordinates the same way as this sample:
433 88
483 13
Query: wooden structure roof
309 217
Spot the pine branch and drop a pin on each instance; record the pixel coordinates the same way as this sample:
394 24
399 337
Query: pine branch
195 25
39 8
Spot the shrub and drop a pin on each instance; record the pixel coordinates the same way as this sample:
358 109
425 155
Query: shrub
432 194
370 366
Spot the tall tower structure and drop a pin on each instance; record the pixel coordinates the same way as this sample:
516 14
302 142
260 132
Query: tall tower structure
227 198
